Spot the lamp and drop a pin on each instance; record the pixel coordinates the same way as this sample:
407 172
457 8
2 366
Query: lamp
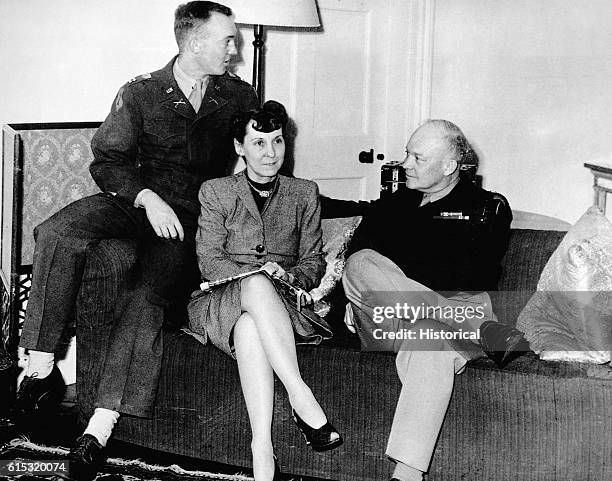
278 13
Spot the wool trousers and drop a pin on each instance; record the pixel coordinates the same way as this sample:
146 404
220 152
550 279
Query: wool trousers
165 270
426 365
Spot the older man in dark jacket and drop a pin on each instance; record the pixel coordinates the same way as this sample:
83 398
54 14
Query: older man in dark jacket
420 261
167 132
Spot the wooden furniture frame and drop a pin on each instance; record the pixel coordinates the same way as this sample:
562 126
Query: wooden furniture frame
600 172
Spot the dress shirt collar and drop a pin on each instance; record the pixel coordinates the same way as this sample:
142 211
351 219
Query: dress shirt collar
184 81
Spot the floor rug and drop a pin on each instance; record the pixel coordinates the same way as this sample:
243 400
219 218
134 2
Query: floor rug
116 469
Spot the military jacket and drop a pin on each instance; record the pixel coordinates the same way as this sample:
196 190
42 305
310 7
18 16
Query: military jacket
153 138
453 244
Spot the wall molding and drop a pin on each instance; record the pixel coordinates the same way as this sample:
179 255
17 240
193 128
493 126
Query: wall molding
420 62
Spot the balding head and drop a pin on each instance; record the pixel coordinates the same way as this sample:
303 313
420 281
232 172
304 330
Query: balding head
433 155
455 140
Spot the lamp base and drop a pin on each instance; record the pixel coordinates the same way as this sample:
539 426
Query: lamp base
258 64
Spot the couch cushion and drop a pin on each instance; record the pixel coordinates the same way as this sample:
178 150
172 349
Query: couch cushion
547 423
527 254
337 234
569 317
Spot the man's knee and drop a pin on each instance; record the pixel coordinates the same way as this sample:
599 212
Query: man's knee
47 229
358 270
86 218
360 260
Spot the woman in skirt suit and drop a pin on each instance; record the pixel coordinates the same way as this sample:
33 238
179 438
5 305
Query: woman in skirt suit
259 218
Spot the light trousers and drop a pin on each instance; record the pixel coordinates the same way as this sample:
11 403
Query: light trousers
426 367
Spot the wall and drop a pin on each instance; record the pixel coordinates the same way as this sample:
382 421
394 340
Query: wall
529 82
65 60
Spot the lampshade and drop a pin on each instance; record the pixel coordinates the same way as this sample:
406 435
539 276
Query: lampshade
281 13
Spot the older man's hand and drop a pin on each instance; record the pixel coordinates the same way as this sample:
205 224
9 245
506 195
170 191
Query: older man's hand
161 216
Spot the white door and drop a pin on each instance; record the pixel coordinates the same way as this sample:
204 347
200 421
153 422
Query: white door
356 91
359 84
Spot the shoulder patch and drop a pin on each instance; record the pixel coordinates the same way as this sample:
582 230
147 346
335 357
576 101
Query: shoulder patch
139 78
119 99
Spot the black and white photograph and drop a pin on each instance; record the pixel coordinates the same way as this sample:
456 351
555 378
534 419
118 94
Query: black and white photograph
308 240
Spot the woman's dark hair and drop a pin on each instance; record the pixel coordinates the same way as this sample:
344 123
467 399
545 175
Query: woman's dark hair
272 116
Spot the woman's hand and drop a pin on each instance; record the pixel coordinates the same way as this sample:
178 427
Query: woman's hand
275 270
306 299
272 268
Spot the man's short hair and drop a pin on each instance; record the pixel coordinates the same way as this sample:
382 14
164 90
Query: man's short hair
192 15
458 144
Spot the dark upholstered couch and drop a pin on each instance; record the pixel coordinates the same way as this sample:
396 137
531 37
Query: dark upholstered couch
532 420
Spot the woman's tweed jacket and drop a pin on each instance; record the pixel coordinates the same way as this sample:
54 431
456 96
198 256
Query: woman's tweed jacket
234 237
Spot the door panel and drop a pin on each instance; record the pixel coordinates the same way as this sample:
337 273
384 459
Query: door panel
340 81
359 83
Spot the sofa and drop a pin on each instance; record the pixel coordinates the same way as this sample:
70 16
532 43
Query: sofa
532 420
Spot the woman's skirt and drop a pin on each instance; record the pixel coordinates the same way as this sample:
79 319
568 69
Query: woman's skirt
213 315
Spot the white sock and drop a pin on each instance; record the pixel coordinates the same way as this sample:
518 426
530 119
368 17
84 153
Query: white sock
403 472
40 363
101 424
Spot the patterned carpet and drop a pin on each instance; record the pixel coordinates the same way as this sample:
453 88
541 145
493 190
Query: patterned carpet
116 469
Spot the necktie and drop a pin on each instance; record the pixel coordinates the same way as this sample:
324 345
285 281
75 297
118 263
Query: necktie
426 199
195 97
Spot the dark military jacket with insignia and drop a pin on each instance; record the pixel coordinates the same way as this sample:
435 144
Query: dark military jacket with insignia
453 244
153 138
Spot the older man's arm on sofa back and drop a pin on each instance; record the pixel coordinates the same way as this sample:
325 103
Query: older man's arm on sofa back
336 208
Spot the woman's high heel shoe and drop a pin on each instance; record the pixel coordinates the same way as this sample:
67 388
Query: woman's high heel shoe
277 471
322 439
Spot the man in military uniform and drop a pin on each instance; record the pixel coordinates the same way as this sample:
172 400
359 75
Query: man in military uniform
421 249
167 132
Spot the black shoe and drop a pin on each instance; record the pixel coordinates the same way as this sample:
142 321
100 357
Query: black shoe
321 439
502 343
39 395
86 457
